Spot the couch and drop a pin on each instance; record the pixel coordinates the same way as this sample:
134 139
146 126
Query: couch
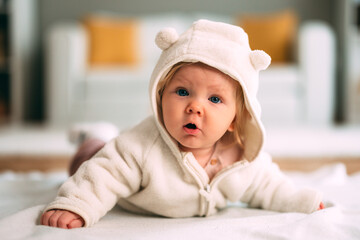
291 93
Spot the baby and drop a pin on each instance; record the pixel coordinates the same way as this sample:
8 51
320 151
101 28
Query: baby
201 148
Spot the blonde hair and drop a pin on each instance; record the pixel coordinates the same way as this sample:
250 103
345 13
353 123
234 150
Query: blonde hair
235 137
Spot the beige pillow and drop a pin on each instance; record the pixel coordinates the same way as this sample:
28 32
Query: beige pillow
112 41
274 33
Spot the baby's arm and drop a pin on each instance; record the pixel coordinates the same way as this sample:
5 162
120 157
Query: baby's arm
272 190
98 184
62 219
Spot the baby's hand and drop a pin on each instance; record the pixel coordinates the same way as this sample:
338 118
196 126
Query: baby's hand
62 219
321 206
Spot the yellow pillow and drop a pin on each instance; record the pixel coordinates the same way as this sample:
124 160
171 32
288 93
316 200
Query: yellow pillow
274 33
112 41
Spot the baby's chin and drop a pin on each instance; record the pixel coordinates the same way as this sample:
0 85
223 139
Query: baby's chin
193 147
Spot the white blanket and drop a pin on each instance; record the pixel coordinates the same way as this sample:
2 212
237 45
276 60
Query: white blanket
23 197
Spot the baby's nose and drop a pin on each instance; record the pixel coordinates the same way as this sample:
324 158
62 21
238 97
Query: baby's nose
195 108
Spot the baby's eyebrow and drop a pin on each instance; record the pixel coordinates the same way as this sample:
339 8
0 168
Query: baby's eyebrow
183 80
217 88
222 91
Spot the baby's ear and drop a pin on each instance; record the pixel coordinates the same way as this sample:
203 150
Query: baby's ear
260 59
166 37
232 126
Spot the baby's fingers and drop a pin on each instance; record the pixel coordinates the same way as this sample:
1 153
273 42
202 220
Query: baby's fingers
46 216
77 223
70 220
50 218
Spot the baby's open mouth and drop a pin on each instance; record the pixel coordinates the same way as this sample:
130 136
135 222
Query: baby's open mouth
191 129
191 126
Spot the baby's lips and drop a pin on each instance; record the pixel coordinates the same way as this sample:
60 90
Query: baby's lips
191 131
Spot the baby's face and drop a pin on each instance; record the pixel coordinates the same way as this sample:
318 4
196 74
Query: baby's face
199 106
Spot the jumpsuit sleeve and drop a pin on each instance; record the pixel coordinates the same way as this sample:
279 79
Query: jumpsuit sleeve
270 189
99 183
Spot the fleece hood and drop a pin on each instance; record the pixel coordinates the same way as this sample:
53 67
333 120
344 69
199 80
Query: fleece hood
226 48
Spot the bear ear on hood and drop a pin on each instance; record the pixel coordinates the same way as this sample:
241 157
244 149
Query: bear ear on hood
260 59
166 37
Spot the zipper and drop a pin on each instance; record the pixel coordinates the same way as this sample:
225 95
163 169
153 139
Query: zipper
201 183
208 188
205 188
220 175
208 201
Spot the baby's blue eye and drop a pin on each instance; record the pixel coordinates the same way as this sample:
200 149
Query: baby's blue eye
182 92
215 100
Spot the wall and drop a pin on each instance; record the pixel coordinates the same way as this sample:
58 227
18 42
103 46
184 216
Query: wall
53 11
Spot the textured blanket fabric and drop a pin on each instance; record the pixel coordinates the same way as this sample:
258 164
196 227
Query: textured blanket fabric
23 197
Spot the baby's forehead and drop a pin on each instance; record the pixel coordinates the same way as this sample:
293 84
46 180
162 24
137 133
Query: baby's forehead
216 77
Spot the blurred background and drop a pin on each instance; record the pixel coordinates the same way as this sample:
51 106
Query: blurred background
66 62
